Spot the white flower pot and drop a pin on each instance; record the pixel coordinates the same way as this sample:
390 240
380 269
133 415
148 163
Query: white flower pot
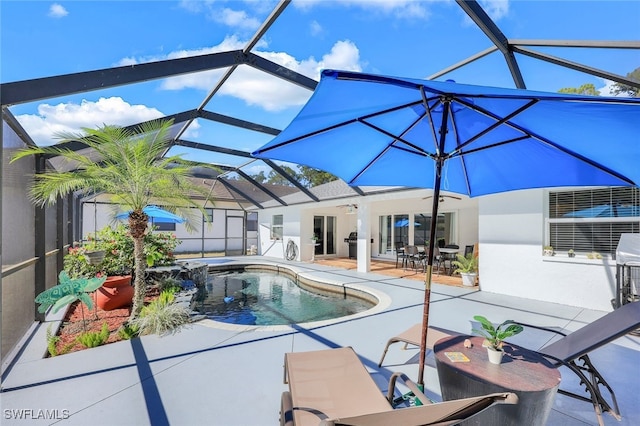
468 278
495 356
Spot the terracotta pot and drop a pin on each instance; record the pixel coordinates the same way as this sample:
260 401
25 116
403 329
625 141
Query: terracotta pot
116 292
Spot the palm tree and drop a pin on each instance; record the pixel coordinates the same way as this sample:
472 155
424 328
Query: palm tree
130 167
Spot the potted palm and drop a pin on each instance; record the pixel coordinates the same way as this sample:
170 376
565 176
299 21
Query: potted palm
467 267
494 336
132 170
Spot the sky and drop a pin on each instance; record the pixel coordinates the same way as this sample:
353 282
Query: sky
392 37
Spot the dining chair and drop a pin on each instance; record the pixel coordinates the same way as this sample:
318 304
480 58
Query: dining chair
400 253
413 256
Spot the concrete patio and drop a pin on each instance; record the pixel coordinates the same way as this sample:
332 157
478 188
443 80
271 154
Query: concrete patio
233 375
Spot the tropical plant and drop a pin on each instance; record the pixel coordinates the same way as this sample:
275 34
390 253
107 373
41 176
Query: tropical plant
128 331
52 344
159 247
495 335
162 316
117 245
92 339
132 170
465 264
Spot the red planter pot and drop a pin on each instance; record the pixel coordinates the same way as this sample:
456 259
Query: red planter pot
116 292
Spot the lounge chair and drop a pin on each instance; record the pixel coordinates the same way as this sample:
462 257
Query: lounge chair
572 351
332 387
412 336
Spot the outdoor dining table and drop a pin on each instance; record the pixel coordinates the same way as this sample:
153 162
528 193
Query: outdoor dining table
449 254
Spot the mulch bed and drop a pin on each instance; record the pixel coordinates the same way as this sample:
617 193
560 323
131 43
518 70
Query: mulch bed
79 319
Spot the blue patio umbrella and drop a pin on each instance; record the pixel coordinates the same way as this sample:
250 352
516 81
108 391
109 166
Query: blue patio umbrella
405 222
156 215
466 139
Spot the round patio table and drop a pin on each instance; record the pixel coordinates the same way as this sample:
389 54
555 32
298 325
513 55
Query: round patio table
530 376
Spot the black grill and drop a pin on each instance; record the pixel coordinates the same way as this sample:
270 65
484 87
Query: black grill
352 240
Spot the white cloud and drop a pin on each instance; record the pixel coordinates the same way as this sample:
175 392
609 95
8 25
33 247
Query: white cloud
235 19
57 11
252 86
257 88
606 90
496 9
71 117
316 28
398 8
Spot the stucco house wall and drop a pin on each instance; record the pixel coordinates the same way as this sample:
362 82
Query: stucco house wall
512 232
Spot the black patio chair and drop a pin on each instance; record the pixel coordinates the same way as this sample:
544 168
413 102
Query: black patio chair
401 254
572 351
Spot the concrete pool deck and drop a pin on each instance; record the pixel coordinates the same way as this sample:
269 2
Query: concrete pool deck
218 376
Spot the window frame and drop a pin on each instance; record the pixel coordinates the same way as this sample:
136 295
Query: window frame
277 229
585 234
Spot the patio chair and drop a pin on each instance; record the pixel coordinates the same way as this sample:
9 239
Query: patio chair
412 336
572 351
332 387
401 254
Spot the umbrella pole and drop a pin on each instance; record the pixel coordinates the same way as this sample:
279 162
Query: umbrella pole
432 242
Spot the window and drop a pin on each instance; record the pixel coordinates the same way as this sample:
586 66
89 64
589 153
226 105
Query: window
276 227
422 227
164 226
593 219
209 217
252 222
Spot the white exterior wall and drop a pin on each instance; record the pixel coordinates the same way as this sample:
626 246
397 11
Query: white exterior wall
298 222
512 233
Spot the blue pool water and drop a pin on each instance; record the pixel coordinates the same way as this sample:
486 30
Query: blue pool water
269 298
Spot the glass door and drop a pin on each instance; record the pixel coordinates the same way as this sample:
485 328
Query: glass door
324 227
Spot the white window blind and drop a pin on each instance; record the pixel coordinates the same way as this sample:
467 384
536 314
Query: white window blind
592 219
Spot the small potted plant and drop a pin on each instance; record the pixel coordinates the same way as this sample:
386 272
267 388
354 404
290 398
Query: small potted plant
571 253
548 251
467 267
93 251
494 336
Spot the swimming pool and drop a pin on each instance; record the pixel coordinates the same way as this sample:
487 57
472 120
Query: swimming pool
267 297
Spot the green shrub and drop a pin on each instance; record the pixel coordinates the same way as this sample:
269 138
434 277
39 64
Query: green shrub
128 331
92 339
118 247
52 343
162 316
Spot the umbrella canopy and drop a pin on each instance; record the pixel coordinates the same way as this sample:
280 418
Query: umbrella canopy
156 214
465 139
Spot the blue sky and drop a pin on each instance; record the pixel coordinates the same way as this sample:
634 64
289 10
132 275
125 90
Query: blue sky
393 37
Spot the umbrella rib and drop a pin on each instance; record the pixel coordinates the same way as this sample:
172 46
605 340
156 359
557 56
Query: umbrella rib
427 112
500 120
396 138
338 125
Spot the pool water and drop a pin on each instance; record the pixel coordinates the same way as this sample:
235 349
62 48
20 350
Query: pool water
269 298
